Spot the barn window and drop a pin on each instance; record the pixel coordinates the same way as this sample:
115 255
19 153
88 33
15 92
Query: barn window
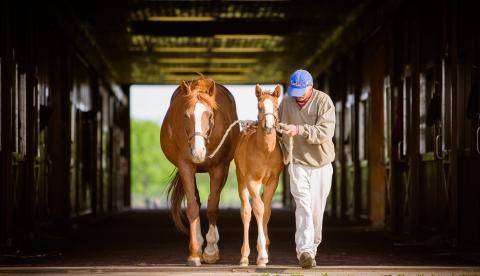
347 138
386 118
23 113
445 106
106 150
363 126
426 108
82 94
406 105
19 107
338 111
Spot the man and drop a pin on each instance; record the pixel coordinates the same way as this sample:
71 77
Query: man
308 117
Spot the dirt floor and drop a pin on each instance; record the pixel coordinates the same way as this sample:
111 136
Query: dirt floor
147 239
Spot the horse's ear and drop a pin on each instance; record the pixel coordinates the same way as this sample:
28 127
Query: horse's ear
276 92
258 90
185 87
212 88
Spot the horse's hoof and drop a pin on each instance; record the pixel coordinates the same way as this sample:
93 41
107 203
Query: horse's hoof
244 261
262 262
211 259
194 261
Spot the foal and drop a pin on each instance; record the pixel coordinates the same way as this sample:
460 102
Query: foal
258 161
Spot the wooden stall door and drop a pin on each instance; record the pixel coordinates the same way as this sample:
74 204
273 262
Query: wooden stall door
362 181
337 164
431 184
348 172
81 157
469 157
401 170
386 157
435 125
43 161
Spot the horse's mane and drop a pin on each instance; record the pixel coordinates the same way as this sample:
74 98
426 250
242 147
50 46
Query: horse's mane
199 92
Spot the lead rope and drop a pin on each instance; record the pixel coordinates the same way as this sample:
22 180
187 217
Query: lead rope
290 159
223 138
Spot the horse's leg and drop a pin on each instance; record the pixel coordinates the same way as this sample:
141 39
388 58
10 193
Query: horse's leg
199 227
218 177
246 214
268 193
258 210
187 175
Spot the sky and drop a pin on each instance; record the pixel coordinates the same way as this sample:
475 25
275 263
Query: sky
150 102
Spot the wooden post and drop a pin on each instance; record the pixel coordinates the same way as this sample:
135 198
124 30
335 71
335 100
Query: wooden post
355 82
127 150
452 39
376 121
6 183
59 139
414 137
340 86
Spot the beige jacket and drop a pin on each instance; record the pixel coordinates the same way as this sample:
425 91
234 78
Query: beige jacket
313 145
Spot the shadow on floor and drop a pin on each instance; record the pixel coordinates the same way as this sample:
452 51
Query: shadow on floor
148 238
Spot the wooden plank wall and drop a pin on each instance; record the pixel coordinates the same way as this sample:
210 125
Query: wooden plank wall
64 143
418 71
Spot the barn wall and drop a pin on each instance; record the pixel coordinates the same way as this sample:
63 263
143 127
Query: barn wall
64 127
407 98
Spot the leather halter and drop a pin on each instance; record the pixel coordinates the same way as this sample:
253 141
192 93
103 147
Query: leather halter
274 116
196 133
271 113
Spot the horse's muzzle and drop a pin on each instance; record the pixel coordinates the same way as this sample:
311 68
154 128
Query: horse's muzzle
198 155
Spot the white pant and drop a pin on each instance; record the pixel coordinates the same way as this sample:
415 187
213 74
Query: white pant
310 187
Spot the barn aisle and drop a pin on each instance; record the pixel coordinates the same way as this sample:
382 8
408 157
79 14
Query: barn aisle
146 241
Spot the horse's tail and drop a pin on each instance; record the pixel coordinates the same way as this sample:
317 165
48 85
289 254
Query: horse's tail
176 194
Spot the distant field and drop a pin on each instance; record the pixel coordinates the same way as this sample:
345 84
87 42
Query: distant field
151 172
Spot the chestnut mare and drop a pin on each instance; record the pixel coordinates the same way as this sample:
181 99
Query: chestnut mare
200 111
258 161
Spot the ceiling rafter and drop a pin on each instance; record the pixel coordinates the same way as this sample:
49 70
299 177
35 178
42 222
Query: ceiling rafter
254 40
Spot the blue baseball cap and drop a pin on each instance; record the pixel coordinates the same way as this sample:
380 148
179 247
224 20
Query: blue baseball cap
299 82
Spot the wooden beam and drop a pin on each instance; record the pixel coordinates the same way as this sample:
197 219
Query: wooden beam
206 69
211 28
208 60
214 50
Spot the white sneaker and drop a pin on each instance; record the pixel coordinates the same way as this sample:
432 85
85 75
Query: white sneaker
306 260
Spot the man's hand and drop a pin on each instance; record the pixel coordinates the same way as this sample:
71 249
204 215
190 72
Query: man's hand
290 130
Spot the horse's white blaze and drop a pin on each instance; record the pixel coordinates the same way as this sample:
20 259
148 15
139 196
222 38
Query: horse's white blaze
199 140
212 239
269 119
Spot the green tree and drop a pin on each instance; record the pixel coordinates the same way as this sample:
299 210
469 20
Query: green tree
150 167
